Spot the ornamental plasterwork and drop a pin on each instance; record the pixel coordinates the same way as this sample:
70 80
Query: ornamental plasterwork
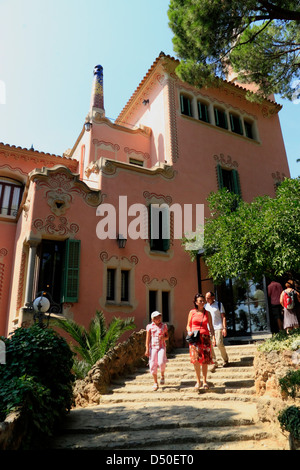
93 167
106 146
3 252
111 168
157 198
226 162
278 177
49 226
146 280
136 154
133 260
61 186
173 143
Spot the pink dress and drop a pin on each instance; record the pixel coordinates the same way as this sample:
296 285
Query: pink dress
157 353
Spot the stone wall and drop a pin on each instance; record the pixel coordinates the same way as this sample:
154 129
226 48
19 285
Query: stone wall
13 430
123 358
269 367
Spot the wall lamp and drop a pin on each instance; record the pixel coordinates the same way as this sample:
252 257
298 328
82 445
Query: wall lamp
88 126
121 241
41 306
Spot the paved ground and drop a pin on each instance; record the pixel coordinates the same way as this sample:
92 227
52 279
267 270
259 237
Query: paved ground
133 417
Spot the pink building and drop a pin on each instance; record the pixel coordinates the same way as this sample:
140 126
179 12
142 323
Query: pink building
63 219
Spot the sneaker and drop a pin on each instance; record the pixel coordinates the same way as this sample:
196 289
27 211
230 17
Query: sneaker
162 381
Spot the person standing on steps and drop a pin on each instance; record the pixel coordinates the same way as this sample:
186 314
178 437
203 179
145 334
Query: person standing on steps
217 312
274 293
290 300
200 352
156 336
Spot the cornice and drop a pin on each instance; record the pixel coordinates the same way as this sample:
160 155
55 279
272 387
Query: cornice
110 168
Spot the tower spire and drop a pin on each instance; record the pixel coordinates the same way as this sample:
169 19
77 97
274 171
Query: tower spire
97 98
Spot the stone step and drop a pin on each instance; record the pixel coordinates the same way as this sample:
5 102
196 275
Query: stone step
144 425
176 416
248 362
221 394
173 377
180 386
146 439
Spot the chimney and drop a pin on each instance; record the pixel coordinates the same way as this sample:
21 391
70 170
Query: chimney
97 99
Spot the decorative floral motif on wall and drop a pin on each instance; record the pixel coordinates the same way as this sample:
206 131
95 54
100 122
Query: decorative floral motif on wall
61 186
48 226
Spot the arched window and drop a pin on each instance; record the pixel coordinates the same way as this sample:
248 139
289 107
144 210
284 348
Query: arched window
10 196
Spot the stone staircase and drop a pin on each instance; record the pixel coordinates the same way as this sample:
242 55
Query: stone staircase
133 417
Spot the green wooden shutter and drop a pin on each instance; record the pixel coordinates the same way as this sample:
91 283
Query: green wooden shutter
160 243
236 182
181 104
166 221
241 127
225 120
216 116
151 240
220 177
71 271
202 110
206 113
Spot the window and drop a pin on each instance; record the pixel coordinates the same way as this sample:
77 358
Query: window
165 295
186 105
248 129
159 227
110 286
152 301
59 269
10 196
221 118
134 161
203 112
228 179
160 300
117 285
124 286
236 124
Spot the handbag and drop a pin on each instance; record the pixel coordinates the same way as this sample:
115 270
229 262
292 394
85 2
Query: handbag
193 337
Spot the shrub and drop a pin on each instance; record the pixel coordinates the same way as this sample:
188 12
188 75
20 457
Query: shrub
289 420
93 343
290 383
37 376
281 341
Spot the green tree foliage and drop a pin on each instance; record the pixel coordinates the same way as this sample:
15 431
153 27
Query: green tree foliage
253 239
37 377
93 343
260 40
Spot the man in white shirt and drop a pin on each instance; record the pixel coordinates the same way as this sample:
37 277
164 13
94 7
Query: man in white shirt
217 312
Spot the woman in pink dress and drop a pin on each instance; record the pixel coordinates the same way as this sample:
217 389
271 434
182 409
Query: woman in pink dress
200 352
157 334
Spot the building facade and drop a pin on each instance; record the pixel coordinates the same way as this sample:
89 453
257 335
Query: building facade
100 228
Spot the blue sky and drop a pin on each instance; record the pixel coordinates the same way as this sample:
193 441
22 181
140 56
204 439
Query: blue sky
48 49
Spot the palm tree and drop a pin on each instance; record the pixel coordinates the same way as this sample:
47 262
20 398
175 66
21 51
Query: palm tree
94 343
